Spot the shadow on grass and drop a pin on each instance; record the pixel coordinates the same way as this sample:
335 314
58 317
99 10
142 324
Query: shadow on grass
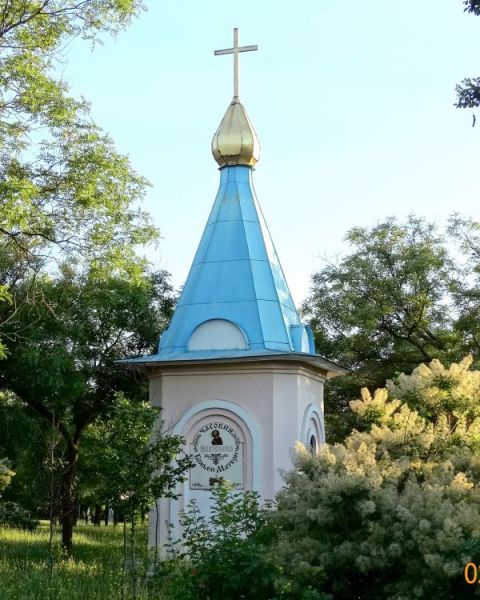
90 543
94 571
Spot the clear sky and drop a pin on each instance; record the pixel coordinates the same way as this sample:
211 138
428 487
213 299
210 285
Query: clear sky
352 101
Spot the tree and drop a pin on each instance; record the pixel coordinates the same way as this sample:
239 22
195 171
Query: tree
23 440
466 285
63 363
133 460
134 464
383 308
468 91
394 510
64 190
69 229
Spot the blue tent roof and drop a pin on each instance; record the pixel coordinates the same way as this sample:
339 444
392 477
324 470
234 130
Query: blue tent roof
236 277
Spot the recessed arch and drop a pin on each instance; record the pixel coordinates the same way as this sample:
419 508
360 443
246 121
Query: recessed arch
194 417
254 431
217 334
312 433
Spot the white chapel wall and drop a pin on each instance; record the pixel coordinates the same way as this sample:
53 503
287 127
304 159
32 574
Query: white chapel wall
267 402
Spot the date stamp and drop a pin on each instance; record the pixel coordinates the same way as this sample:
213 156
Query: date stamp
471 573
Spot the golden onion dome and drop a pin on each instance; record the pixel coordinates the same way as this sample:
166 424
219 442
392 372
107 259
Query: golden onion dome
235 141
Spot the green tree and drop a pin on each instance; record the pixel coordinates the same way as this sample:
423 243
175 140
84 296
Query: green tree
62 360
466 285
135 463
69 228
132 458
23 439
382 309
392 512
64 190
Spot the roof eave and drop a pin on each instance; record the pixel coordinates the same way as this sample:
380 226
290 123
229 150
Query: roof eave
330 368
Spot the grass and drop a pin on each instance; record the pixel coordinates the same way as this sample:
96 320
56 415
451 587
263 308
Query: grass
94 572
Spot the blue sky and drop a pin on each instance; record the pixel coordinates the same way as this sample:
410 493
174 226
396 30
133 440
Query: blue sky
352 102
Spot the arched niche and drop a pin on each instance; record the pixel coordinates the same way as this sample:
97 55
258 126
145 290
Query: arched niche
221 446
229 413
312 433
217 334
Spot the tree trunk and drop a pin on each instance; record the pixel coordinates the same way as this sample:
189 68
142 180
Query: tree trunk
68 498
97 515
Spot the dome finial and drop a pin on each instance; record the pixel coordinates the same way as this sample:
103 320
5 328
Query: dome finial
235 141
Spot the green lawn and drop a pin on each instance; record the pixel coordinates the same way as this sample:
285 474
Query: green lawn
93 573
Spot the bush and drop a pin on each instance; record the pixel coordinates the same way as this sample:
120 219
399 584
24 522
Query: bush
394 511
13 515
222 556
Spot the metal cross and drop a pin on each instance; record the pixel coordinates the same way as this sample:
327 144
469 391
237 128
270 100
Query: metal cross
235 51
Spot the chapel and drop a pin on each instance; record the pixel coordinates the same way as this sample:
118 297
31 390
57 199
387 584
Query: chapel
236 372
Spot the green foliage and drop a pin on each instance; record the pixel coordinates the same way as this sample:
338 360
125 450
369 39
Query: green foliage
385 298
64 347
468 91
25 441
74 294
13 515
472 6
394 510
382 309
6 474
5 297
132 463
82 326
465 286
64 190
222 556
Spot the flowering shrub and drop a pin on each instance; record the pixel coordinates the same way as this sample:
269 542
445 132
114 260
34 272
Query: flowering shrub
394 511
